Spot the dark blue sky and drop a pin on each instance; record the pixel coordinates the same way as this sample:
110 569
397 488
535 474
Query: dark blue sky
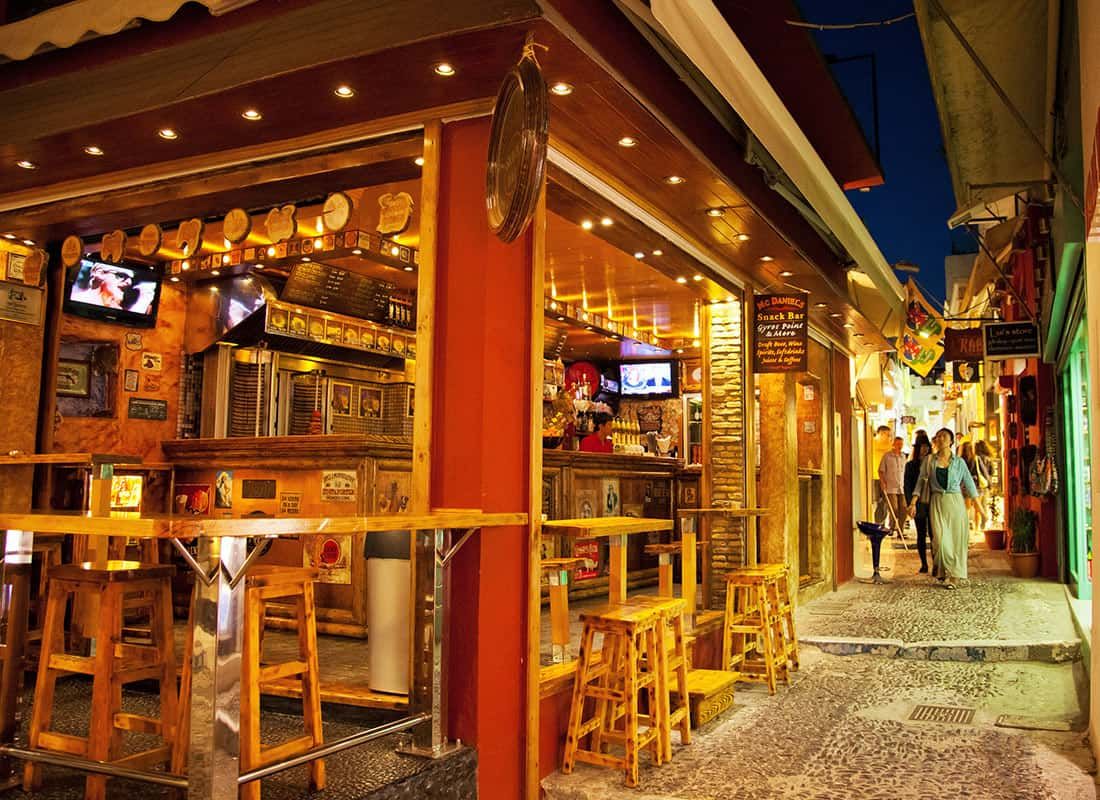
907 216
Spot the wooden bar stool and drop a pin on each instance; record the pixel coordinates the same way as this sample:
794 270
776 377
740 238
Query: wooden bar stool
777 585
115 663
264 584
752 643
629 633
672 668
558 570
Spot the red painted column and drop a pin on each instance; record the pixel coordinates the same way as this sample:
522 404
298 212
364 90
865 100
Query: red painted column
480 458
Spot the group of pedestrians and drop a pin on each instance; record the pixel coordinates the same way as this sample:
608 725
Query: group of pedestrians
929 487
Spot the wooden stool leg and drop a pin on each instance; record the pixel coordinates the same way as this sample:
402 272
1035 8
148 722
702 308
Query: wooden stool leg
104 741
727 634
766 639
311 686
53 641
658 657
680 650
576 708
559 616
630 689
164 641
250 692
664 575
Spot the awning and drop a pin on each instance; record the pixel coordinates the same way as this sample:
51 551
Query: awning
869 379
72 22
989 154
998 242
702 33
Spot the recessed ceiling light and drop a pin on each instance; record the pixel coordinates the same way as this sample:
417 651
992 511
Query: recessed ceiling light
836 314
681 279
697 277
29 242
357 252
586 224
858 335
168 133
743 237
766 258
186 265
344 91
395 251
444 69
225 258
9 235
639 254
175 279
679 349
848 325
607 221
93 150
658 252
24 164
696 343
561 319
865 188
408 269
821 305
729 298
786 273
419 161
628 141
674 179
306 258
561 88
215 272
715 212
252 115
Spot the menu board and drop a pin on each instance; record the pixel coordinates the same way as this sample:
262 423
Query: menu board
1010 340
334 289
780 328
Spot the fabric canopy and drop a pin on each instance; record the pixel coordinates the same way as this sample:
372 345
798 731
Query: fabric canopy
68 24
998 243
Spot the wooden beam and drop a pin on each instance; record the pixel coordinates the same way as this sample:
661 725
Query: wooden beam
534 538
423 390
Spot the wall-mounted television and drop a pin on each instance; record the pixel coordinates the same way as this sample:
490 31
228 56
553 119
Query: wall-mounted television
124 294
648 379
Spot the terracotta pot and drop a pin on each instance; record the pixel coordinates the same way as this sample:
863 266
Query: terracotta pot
995 539
1025 565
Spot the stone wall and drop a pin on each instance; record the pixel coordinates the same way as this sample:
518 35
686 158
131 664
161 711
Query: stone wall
727 442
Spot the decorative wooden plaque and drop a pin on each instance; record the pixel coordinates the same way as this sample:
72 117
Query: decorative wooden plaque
237 225
189 236
71 251
113 246
282 223
336 212
150 240
396 211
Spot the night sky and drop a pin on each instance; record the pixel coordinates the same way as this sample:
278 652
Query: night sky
908 216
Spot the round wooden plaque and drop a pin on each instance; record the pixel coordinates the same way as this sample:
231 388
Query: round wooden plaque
336 211
237 225
150 239
517 150
71 251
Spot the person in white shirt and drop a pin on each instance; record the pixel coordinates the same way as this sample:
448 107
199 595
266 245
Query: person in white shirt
891 477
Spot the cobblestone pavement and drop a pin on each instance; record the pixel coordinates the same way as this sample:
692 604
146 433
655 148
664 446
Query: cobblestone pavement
912 607
841 730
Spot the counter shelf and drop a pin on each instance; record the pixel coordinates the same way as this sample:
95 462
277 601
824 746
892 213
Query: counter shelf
220 566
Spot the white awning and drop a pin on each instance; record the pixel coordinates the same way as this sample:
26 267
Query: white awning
68 24
998 241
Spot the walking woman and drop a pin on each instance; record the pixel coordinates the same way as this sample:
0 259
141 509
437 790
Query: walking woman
947 477
921 450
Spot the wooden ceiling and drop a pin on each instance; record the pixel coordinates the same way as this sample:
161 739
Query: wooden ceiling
586 125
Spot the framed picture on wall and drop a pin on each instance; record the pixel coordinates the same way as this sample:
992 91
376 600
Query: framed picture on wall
341 399
370 402
73 378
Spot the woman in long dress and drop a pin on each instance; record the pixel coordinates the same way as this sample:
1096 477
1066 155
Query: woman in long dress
945 478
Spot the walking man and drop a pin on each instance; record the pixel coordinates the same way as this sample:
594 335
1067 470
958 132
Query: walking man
891 477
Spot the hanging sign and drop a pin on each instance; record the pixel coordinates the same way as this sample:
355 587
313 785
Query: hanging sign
963 344
71 251
517 148
1010 340
920 344
395 211
780 330
966 371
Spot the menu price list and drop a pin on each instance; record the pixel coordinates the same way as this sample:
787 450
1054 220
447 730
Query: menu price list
780 327
342 291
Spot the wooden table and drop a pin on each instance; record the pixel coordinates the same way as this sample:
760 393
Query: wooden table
750 516
615 530
98 470
213 766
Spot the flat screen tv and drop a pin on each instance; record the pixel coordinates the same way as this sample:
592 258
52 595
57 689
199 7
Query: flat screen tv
648 379
124 294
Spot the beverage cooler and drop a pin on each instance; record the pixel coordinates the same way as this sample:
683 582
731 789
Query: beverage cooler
692 434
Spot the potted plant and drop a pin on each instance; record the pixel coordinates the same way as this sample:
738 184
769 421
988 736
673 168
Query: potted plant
994 534
1025 558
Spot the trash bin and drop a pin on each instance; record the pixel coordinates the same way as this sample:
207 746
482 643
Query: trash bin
388 576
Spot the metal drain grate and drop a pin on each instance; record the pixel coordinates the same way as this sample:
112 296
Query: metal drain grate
951 715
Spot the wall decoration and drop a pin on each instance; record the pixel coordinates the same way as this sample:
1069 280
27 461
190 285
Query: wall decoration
72 249
290 503
585 500
134 341
189 236
339 486
298 324
610 498
333 330
147 408
351 335
316 327
589 550
191 498
336 212
130 380
151 383
341 399
966 371
126 491
330 556
278 319
21 304
152 362
223 489
34 265
237 225
150 239
73 378
780 327
258 489
395 213
113 246
14 271
282 223
370 402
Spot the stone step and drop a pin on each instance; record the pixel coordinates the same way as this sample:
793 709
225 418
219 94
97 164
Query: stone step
1048 652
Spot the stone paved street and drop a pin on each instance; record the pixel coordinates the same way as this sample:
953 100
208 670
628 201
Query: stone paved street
1000 646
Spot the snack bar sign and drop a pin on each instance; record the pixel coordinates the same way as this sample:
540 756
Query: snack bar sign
780 328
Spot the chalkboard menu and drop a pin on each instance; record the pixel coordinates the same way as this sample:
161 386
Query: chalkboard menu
1010 340
780 326
339 290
